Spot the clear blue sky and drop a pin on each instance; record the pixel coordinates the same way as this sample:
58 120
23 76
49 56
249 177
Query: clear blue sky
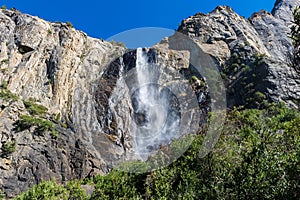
102 19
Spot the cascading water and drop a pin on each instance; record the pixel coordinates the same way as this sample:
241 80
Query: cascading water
156 109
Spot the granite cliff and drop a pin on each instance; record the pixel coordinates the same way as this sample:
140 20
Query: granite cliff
56 85
254 54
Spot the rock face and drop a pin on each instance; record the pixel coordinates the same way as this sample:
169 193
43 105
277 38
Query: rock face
254 54
64 113
54 66
282 10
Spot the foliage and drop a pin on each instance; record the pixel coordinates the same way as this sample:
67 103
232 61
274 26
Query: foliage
4 85
42 125
6 94
9 147
36 119
118 185
46 191
256 157
69 24
21 50
3 7
259 99
49 190
259 58
35 109
2 195
295 35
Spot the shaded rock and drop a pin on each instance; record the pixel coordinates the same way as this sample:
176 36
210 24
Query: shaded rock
274 34
254 56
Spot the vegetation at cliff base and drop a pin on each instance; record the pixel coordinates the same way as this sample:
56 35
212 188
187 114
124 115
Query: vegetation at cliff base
256 157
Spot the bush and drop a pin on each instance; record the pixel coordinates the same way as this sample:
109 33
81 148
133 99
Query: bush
118 185
46 191
9 147
42 125
69 24
2 195
35 109
6 94
49 190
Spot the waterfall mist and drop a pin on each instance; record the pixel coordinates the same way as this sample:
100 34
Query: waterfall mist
156 111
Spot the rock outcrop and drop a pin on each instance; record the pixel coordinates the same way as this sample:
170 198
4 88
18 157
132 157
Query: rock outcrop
254 54
65 115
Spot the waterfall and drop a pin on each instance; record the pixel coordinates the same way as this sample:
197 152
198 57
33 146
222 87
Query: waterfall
156 118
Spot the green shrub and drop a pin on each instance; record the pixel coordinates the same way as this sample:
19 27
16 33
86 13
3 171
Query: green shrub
247 43
46 191
258 58
9 147
3 7
118 185
35 109
42 125
6 94
2 195
75 191
258 96
4 85
69 24
21 50
56 117
4 70
194 78
235 56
